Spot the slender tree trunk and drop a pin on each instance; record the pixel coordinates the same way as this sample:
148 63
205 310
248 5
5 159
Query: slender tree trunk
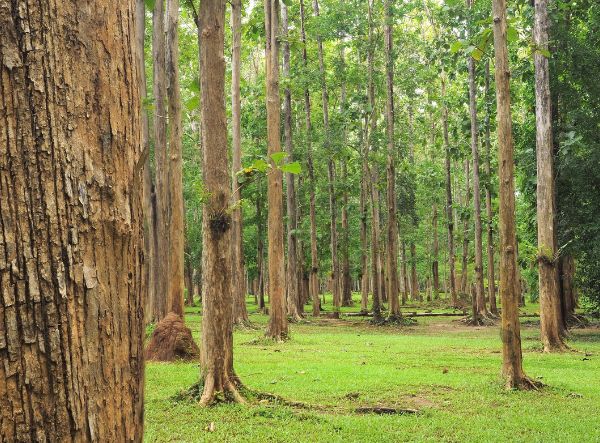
406 288
240 313
335 277
488 200
373 178
567 289
260 253
435 271
278 327
149 228
189 284
449 215
314 258
364 259
551 322
159 87
176 229
414 286
464 278
481 308
512 366
71 251
392 228
216 359
292 220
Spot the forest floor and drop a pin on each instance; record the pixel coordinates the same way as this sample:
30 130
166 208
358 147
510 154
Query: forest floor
448 372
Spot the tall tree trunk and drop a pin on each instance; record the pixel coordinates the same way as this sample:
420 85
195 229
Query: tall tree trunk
567 288
71 249
464 277
278 327
364 259
449 215
189 284
512 358
314 258
335 277
149 228
406 284
481 308
373 178
240 313
488 200
435 271
414 281
551 322
159 87
176 229
260 253
216 359
392 225
293 286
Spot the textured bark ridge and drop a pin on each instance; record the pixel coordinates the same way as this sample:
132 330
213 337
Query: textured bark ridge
71 223
172 340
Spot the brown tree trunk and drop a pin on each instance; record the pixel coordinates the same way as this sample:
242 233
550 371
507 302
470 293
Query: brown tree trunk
512 365
488 200
260 253
176 230
373 177
71 245
464 276
314 258
393 288
481 308
449 215
159 86
435 271
293 286
335 277
364 259
149 251
551 322
567 289
278 327
406 285
414 280
240 313
216 359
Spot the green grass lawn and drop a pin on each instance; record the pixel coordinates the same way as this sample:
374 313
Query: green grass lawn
449 372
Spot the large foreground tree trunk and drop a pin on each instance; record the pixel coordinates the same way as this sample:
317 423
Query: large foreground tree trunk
278 327
512 358
240 313
216 358
71 244
551 322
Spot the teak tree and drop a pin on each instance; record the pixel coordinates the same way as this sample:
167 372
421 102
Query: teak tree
71 243
278 325
216 357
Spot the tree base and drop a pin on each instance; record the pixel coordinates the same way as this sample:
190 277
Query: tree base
480 320
171 341
523 383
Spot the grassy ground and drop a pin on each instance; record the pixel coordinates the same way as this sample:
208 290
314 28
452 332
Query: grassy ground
448 372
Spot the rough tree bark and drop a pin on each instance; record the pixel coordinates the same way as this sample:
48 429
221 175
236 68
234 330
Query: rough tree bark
159 86
260 252
414 280
449 216
293 283
512 358
488 199
551 322
482 312
314 258
405 282
216 358
71 242
278 326
240 313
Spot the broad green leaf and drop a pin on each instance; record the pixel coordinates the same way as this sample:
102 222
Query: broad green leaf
512 34
292 168
192 103
260 165
194 86
456 46
278 157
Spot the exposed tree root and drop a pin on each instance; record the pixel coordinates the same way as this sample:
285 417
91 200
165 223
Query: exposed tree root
171 340
244 325
480 320
524 384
